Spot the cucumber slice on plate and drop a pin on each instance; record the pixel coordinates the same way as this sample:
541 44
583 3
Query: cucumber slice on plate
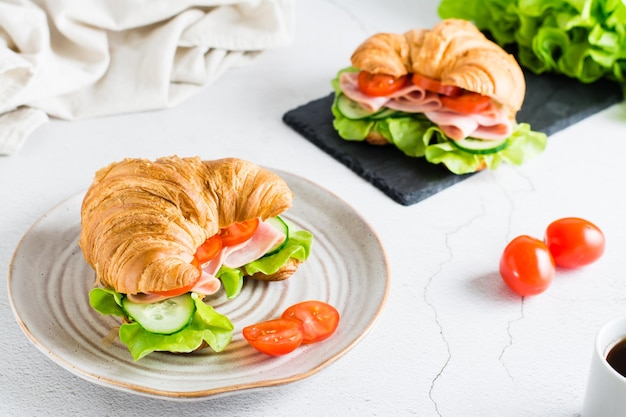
163 317
481 147
351 109
279 224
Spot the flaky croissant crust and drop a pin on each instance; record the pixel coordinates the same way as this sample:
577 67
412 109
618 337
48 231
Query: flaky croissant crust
142 220
455 52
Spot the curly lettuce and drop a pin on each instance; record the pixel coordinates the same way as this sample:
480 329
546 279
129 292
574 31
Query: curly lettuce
582 39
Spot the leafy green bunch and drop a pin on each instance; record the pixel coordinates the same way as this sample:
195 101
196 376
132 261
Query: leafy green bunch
582 39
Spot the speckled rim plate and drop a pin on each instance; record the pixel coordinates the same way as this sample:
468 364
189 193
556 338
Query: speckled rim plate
49 281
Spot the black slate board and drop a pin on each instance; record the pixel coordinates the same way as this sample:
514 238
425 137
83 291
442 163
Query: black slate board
552 103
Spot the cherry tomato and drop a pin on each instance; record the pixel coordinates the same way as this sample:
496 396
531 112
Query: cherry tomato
574 242
320 320
435 86
238 232
379 84
275 337
466 102
527 266
209 249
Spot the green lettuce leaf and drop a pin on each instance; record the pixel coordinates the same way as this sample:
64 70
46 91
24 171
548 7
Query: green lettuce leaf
581 39
206 325
232 280
523 145
298 247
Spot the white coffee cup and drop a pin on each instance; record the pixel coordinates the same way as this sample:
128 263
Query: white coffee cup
605 395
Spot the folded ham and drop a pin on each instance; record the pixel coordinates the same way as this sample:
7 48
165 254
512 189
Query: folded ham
493 123
264 239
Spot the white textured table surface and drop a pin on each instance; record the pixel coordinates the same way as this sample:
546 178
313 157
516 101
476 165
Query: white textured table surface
452 340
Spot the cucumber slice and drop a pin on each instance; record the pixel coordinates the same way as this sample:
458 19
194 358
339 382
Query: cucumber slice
481 147
351 109
164 317
384 113
279 224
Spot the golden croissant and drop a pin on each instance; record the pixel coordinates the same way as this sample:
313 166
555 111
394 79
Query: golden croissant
143 220
455 52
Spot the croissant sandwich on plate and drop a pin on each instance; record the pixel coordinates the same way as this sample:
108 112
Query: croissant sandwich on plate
448 94
162 235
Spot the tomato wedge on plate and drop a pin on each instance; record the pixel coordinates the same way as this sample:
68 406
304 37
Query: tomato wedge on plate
379 85
466 102
435 86
275 337
238 232
320 320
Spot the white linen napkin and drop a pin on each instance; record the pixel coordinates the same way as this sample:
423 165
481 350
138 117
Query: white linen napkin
74 59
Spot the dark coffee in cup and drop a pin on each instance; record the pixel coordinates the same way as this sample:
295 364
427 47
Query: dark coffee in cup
617 357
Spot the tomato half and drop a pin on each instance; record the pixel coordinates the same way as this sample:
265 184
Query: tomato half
238 232
379 84
466 102
527 266
275 337
320 320
209 249
574 242
435 86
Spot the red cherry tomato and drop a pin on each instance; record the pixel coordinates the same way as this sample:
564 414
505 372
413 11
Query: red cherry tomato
574 242
238 232
435 86
320 320
379 84
466 102
527 266
209 249
275 337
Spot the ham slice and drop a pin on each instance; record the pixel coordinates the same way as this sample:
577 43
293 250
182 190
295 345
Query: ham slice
409 98
265 238
459 126
207 285
350 87
490 124
413 103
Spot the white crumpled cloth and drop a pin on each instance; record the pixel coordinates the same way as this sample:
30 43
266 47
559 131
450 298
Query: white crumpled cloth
74 59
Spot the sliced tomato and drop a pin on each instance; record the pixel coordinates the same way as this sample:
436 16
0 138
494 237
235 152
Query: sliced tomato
181 290
275 337
238 232
435 86
466 102
209 249
379 84
320 320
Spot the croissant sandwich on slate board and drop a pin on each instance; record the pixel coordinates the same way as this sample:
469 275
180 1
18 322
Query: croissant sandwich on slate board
448 94
162 235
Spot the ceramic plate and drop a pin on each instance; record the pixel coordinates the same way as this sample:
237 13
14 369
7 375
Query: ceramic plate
49 282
